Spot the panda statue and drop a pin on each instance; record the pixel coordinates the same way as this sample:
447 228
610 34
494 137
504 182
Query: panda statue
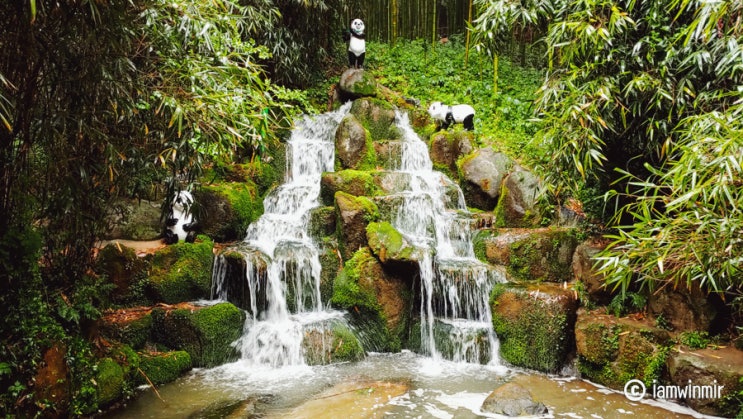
356 44
446 115
180 225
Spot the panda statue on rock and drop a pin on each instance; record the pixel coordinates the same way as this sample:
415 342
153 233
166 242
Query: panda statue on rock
446 115
356 44
180 225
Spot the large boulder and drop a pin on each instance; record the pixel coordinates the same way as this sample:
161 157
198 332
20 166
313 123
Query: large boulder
719 370
353 215
511 399
182 272
534 324
611 350
334 343
389 245
377 117
446 147
223 211
356 83
233 265
353 147
135 219
481 174
378 300
162 367
586 272
124 270
684 309
544 254
517 201
353 182
205 332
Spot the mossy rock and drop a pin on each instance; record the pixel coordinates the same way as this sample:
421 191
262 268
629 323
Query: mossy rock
544 254
612 351
353 215
517 201
356 83
110 381
182 272
322 222
234 263
130 327
335 343
263 175
165 367
206 333
352 182
125 271
135 219
534 324
389 245
224 210
378 302
353 145
446 147
377 117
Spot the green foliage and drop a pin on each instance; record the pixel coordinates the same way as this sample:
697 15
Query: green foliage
415 70
695 339
625 303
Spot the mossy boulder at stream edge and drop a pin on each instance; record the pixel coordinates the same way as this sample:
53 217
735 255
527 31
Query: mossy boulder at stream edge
182 272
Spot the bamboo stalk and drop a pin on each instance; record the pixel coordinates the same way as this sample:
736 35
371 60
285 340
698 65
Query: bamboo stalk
467 41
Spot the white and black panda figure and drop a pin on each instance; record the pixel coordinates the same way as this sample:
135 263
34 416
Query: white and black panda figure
356 44
180 224
446 115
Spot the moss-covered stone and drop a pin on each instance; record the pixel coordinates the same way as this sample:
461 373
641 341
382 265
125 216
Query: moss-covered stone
224 210
353 182
125 271
165 367
206 333
377 117
131 327
378 302
517 201
182 272
110 381
322 222
446 147
355 83
534 324
612 351
544 254
389 245
353 215
235 264
332 344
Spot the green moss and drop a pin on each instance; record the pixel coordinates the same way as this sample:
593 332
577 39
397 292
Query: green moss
388 243
110 380
377 117
545 256
352 291
350 181
182 272
206 334
346 346
479 243
163 368
534 329
135 333
225 210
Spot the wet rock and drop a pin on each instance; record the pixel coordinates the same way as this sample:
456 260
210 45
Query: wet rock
512 400
517 202
584 270
377 117
331 342
357 399
235 263
162 367
711 368
378 300
231 409
351 143
389 153
612 351
534 324
482 173
389 245
322 222
352 182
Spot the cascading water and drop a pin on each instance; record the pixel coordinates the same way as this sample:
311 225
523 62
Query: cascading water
281 257
455 286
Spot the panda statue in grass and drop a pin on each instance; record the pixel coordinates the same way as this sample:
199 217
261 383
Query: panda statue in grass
446 115
356 44
180 225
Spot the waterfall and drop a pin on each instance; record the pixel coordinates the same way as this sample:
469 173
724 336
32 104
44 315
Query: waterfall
281 258
455 286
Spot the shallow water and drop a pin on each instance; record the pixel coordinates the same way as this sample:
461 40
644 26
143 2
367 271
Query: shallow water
401 385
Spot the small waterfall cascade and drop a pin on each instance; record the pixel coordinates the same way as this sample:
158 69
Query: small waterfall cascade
281 258
455 286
